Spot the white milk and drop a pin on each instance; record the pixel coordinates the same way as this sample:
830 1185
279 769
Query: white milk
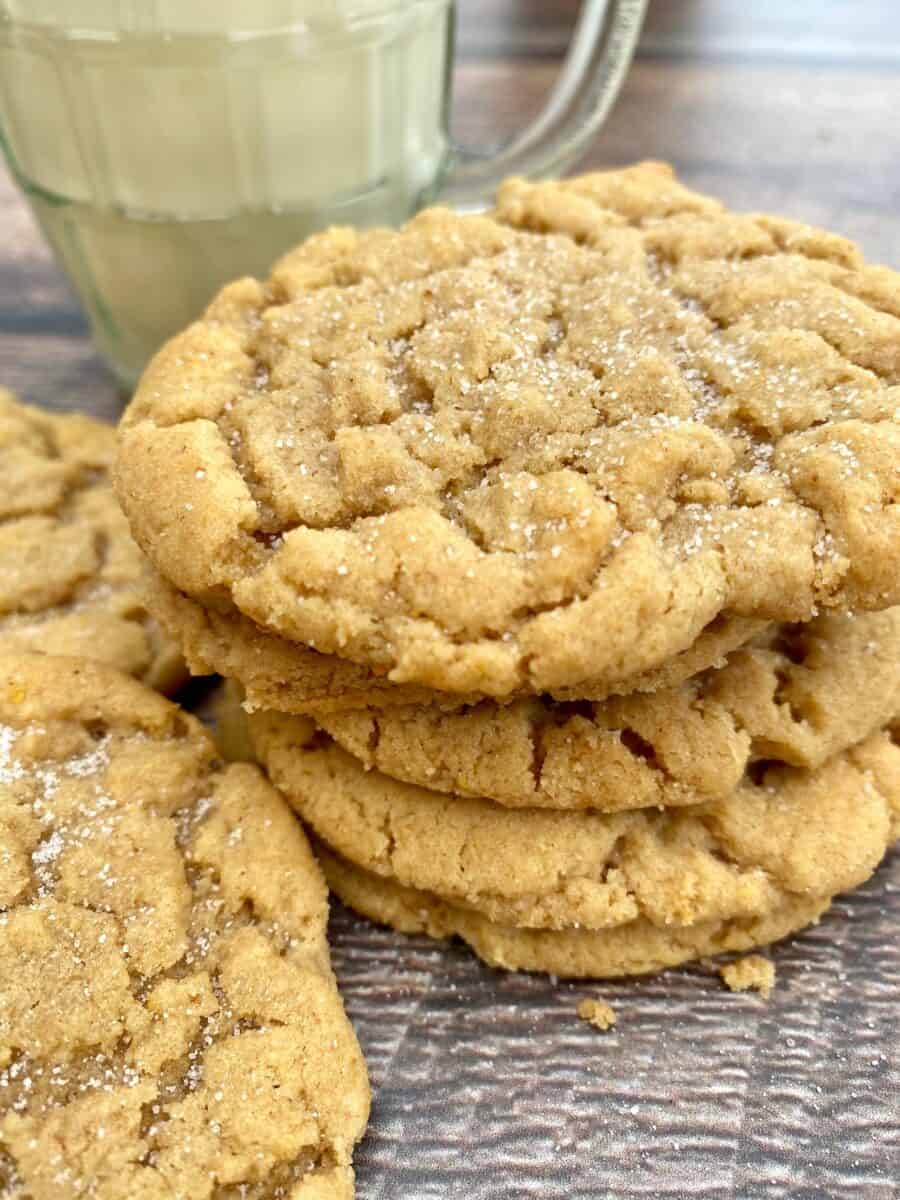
168 146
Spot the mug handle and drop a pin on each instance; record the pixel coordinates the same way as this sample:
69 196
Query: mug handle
592 72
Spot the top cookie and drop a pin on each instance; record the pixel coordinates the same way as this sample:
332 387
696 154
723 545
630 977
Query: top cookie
488 453
169 1023
69 570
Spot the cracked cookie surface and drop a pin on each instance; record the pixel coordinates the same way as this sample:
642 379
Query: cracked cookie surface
799 694
782 833
69 570
633 949
287 677
169 1024
523 449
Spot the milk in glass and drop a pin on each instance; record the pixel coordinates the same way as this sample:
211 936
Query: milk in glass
167 146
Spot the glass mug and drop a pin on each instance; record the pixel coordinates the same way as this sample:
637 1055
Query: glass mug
167 146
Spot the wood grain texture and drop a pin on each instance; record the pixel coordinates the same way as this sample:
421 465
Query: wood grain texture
487 1085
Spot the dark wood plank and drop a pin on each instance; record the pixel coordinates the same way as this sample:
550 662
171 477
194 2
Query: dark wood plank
773 30
59 373
487 1085
740 132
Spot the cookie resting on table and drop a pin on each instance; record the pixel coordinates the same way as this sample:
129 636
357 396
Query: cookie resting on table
69 570
170 1028
633 949
799 694
783 833
523 449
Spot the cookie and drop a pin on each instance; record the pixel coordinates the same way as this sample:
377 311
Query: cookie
287 677
633 949
597 1013
524 449
169 1023
782 833
273 672
69 571
800 695
751 974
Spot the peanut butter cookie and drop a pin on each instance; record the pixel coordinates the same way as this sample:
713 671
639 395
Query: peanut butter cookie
69 571
287 677
633 949
782 833
169 1023
521 450
799 694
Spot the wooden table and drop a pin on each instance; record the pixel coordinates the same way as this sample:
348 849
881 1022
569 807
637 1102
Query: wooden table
487 1085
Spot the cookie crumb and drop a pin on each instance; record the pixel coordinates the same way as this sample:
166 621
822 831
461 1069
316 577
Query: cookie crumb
598 1013
753 973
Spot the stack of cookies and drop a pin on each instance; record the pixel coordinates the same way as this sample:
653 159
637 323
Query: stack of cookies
620 836
554 550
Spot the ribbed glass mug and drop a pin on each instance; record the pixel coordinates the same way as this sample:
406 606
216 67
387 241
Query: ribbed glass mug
167 146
